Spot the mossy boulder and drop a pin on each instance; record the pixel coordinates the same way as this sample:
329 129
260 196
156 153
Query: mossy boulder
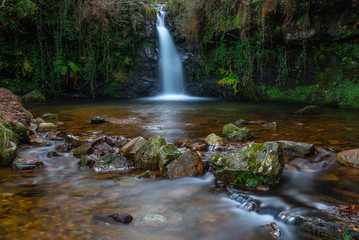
296 149
189 164
234 133
311 109
250 166
166 155
147 156
8 155
214 140
33 96
111 162
349 158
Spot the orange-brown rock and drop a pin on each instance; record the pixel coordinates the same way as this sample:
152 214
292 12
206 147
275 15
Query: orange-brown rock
349 158
12 110
189 164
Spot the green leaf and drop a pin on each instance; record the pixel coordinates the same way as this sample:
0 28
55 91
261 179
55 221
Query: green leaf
74 67
63 70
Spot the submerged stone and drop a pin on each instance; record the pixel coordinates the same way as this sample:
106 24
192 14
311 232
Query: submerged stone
49 116
349 158
250 166
311 109
147 156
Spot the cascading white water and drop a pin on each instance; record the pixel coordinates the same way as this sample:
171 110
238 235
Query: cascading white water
170 62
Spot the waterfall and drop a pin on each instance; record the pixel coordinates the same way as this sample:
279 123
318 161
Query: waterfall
170 63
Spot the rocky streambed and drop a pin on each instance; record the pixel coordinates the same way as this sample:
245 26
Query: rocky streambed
222 185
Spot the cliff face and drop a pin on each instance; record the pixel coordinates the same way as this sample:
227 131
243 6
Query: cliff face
268 49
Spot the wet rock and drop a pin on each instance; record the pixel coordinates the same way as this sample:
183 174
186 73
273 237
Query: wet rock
111 162
295 148
53 154
147 156
250 166
189 164
86 161
97 119
349 158
56 136
33 96
311 109
269 231
111 218
49 116
38 141
166 155
74 140
199 146
270 124
44 127
8 156
37 121
110 140
26 163
241 122
84 149
234 133
147 174
33 127
130 149
103 148
64 147
214 140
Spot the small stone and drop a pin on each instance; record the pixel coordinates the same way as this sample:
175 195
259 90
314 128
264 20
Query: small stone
49 116
271 231
214 140
97 119
121 218
270 124
241 122
44 127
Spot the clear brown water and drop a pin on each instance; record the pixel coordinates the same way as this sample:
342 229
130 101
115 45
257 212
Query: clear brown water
58 201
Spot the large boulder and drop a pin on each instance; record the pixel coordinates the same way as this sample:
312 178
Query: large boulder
250 166
111 162
189 164
12 110
166 155
33 96
234 133
296 149
349 158
147 156
130 149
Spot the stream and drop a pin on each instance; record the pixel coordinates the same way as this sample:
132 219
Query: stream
59 200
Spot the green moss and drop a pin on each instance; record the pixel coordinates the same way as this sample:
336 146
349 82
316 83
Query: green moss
250 180
7 135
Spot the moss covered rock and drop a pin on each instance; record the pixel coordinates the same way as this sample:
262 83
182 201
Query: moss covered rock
34 96
147 156
229 129
111 162
165 156
214 140
189 164
44 127
250 166
234 133
8 155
